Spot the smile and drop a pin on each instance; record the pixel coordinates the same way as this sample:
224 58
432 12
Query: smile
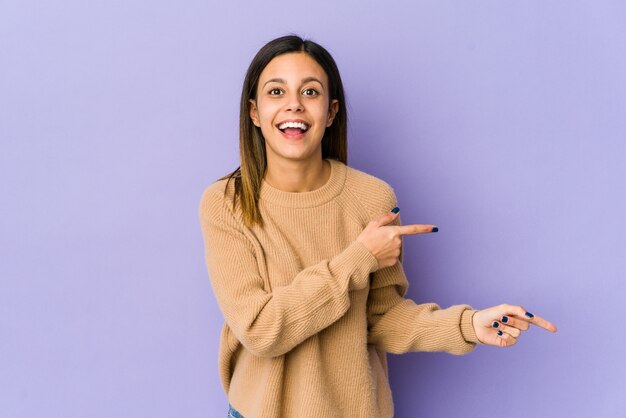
293 126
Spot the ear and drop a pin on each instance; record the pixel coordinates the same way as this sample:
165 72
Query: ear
332 111
254 113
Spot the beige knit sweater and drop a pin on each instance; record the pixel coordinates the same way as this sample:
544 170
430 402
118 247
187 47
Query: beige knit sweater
308 316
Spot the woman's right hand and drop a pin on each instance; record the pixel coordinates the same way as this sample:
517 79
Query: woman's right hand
384 241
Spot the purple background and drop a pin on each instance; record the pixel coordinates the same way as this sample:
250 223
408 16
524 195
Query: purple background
500 121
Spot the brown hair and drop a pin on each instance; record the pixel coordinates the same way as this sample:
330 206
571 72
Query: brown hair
248 177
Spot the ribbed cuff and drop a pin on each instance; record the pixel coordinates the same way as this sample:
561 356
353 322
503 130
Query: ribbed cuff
357 262
467 328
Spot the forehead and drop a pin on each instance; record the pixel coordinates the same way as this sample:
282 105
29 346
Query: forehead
293 66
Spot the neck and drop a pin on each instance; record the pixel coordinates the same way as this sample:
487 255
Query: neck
297 176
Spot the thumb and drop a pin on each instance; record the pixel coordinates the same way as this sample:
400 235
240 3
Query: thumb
388 217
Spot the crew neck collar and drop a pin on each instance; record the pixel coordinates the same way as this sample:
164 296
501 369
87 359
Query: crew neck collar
316 197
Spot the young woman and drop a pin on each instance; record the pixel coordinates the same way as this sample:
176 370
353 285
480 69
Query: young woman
305 255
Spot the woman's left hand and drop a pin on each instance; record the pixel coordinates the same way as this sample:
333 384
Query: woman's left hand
502 325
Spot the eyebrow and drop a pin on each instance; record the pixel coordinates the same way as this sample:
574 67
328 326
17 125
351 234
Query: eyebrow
282 81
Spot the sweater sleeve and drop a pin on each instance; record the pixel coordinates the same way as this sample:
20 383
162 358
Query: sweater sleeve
271 323
399 325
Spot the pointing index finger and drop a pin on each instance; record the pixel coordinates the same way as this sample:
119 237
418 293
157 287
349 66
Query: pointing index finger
539 321
522 313
416 229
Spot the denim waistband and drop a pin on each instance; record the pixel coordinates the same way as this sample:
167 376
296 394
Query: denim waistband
232 412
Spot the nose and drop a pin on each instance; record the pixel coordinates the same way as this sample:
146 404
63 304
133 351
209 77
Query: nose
294 103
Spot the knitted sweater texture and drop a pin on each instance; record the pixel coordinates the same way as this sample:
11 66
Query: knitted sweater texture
309 317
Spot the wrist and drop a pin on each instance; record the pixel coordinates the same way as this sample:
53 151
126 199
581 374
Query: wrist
467 326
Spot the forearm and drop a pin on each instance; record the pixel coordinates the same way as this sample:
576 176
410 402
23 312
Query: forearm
408 326
270 324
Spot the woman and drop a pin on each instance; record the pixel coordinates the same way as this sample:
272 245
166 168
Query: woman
305 257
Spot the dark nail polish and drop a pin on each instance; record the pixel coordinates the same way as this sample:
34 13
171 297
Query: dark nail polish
528 314
395 210
500 333
505 319
495 324
435 229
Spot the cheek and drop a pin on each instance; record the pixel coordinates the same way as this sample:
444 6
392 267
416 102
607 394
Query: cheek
266 119
265 112
322 114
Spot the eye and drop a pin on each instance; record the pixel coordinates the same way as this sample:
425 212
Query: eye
275 91
310 92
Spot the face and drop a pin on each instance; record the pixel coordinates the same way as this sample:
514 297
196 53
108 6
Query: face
293 107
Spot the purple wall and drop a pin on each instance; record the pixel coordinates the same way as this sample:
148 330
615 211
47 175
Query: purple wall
501 122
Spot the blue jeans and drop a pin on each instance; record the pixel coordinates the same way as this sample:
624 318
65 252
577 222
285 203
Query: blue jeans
232 413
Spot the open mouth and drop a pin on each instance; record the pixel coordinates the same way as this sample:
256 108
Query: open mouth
293 128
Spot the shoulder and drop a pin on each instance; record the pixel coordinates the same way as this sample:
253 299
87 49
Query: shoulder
372 191
214 193
216 196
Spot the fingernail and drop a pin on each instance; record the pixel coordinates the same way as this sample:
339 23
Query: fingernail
500 333
495 324
505 319
528 314
435 229
395 210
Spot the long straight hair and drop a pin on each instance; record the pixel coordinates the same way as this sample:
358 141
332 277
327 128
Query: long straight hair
248 177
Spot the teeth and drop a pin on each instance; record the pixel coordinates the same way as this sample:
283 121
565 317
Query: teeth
300 125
